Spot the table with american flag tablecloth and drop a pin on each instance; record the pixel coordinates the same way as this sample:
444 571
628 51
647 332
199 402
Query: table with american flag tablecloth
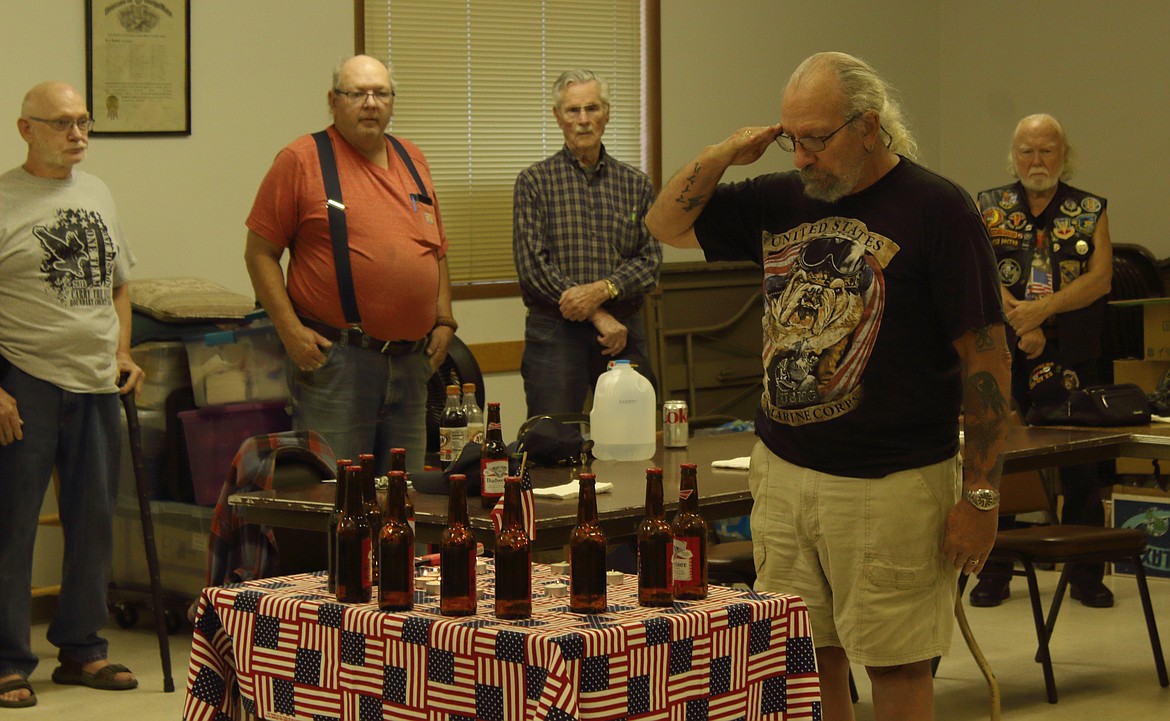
282 648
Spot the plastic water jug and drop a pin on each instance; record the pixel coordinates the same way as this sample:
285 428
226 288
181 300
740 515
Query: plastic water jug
621 423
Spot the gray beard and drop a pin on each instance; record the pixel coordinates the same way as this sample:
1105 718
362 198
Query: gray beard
829 188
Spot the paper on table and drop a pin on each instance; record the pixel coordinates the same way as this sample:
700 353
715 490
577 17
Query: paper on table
569 490
740 463
1160 419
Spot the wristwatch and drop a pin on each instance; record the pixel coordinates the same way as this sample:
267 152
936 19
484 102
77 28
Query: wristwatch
611 288
984 499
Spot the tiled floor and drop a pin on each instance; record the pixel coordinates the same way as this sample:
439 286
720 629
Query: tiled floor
1103 667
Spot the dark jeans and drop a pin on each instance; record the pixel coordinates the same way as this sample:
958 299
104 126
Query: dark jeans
361 401
80 434
562 360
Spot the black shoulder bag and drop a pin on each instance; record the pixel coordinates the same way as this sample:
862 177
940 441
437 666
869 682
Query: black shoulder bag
1121 404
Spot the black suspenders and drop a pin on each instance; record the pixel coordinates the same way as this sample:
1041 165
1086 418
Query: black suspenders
336 209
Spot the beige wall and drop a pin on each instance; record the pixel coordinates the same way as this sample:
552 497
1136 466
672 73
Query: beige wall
260 70
1101 68
259 73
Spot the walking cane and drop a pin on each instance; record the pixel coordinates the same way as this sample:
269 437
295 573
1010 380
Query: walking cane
160 623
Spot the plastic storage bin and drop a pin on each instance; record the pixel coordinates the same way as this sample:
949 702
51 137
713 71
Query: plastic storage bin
234 366
181 533
166 368
152 432
214 434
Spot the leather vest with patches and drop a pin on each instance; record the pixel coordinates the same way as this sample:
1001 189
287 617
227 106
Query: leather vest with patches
1068 223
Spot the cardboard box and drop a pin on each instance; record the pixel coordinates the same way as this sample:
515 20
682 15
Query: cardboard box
1155 325
1148 509
234 366
1145 374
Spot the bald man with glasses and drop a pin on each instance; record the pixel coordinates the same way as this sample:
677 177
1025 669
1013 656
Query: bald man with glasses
64 359
365 313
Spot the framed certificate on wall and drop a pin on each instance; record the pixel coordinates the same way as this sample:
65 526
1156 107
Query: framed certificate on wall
138 66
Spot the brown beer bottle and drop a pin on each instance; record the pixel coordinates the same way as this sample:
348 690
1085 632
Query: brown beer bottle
457 555
690 539
370 503
331 532
398 463
493 460
396 551
355 557
587 553
655 547
513 558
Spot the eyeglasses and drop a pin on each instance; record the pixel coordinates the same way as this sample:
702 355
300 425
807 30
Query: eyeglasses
62 125
575 110
812 143
358 97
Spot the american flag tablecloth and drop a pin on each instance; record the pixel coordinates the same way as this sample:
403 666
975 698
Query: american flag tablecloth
282 648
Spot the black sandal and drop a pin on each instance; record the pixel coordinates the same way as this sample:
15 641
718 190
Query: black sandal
70 673
16 684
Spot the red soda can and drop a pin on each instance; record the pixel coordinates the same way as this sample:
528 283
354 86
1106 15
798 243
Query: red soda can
675 427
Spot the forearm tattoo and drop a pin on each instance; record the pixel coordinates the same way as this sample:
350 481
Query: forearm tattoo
986 412
984 341
689 204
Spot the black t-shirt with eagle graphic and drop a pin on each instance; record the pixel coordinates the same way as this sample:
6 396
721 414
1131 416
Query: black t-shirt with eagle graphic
863 299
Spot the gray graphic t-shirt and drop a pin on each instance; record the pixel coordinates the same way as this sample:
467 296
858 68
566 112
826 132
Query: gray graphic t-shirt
62 254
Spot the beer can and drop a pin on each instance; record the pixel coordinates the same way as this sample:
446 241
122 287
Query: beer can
675 427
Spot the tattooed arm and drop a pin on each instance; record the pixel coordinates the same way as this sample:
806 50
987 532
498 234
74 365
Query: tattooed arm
672 217
986 373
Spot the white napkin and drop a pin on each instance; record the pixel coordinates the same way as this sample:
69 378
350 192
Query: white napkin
1160 419
740 464
570 489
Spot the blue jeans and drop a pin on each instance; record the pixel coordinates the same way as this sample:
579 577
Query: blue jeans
361 401
80 433
562 360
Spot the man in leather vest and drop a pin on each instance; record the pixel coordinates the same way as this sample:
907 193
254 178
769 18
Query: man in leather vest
1055 262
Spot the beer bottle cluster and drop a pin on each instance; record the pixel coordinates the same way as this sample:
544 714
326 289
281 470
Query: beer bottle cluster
371 549
672 557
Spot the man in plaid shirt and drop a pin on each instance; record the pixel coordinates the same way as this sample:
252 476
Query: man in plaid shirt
583 255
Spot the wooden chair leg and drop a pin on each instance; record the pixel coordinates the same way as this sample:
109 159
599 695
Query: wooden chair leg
1041 630
1139 573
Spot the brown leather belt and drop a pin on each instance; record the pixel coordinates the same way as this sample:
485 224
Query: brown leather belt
357 338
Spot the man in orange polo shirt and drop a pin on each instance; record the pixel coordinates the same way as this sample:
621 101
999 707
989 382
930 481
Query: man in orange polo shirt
358 371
